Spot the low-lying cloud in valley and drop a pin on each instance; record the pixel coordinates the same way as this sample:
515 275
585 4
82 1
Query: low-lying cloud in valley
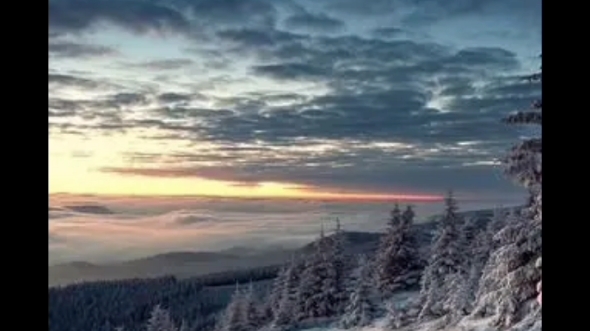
139 227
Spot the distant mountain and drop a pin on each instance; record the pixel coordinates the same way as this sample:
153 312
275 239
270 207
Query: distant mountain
357 242
190 264
179 264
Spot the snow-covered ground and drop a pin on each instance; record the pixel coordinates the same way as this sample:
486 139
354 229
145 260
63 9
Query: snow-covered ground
380 325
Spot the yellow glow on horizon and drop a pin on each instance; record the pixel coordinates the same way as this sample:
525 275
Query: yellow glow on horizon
71 174
120 185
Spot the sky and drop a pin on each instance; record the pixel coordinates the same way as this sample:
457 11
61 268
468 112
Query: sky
375 99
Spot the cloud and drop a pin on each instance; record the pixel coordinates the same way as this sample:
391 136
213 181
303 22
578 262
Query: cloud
388 32
192 219
184 17
68 49
341 172
242 91
314 22
170 97
250 38
290 71
201 227
428 11
146 226
229 12
69 80
372 99
138 16
168 64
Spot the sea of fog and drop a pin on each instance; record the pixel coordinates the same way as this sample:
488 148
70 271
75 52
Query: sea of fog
115 230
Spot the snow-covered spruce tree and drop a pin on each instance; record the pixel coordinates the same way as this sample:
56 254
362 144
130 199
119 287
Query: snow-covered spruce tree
459 299
462 284
274 298
481 248
252 317
399 315
337 269
446 259
497 223
469 231
234 316
183 326
160 320
315 288
409 253
320 294
288 305
395 316
524 161
397 263
507 288
386 249
361 308
539 284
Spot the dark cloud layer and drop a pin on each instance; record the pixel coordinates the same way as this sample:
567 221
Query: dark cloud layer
318 22
169 64
176 16
138 16
70 49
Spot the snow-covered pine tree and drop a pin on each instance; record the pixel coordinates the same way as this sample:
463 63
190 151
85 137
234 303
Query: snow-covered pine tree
234 316
315 284
499 219
538 265
445 260
160 320
483 245
507 288
361 308
352 273
288 306
524 161
397 263
395 316
337 269
463 283
386 249
459 299
252 318
274 298
409 254
322 288
469 231
183 326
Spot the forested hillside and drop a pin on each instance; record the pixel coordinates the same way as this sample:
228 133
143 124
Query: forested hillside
104 305
101 306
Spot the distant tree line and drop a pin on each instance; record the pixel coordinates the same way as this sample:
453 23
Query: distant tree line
102 306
